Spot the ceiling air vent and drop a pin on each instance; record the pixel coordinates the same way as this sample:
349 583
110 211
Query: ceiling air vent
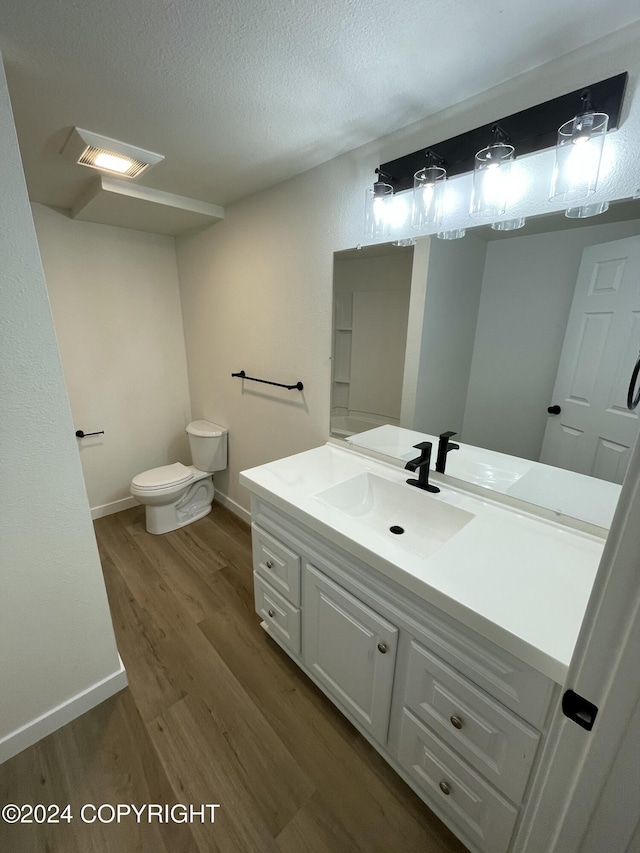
108 155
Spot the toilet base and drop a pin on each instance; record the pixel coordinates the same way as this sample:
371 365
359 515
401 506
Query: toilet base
193 505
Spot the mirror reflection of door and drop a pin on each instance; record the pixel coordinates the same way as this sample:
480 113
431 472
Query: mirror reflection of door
594 431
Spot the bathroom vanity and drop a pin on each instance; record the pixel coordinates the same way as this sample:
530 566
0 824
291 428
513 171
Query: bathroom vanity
441 625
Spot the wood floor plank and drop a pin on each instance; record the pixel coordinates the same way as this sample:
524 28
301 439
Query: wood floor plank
105 756
150 679
260 755
221 538
315 830
145 583
182 571
193 553
208 774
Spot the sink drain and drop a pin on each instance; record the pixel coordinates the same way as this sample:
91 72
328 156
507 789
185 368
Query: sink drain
395 528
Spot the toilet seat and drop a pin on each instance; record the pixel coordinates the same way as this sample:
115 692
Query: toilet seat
165 477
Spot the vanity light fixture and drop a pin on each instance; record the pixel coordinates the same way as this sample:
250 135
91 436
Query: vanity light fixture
578 154
108 155
428 189
377 219
491 175
531 130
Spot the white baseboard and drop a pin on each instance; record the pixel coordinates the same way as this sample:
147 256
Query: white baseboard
114 506
233 506
62 714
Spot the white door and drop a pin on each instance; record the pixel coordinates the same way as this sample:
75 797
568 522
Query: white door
594 431
585 799
351 650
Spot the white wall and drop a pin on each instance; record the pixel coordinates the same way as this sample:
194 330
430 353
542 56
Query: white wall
256 296
527 292
56 636
116 308
454 281
377 287
256 288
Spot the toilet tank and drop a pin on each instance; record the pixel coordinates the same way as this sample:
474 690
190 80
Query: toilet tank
208 444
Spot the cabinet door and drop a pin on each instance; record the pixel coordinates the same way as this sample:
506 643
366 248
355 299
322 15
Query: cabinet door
350 650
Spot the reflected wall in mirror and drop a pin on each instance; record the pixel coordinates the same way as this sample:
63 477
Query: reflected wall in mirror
518 322
371 291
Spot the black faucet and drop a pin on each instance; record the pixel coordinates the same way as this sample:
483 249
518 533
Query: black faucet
444 446
421 465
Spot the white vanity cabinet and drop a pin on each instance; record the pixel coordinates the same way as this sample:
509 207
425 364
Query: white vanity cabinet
459 718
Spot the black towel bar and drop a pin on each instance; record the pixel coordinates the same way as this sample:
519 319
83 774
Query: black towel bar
243 375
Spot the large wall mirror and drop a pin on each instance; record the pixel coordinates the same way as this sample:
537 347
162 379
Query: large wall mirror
513 323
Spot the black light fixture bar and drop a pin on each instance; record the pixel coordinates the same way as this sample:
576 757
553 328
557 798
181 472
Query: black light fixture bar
530 130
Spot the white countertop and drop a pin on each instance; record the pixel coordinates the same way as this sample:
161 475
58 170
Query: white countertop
520 581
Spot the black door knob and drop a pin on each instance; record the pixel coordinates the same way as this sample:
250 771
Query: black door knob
554 410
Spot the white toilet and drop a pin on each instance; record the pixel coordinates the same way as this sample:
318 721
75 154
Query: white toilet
175 495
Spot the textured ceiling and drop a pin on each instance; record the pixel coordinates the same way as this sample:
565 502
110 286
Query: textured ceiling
240 95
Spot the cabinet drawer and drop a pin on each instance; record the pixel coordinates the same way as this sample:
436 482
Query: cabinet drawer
278 565
513 683
281 618
492 739
351 650
454 789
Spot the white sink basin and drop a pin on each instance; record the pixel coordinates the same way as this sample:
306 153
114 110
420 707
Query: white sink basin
404 515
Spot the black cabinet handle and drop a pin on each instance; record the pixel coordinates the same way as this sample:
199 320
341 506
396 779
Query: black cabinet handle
554 410
632 402
82 434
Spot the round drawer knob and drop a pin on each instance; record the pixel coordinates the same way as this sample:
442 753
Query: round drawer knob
382 648
270 613
456 722
269 564
444 787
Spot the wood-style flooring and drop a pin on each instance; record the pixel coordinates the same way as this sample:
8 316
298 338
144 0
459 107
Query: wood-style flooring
215 712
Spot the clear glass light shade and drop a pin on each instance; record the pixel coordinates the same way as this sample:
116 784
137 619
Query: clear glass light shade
578 156
584 211
509 224
428 188
492 179
454 234
377 210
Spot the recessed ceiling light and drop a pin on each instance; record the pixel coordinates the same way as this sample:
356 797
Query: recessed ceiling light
108 155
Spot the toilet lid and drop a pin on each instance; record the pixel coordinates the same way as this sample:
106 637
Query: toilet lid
167 475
